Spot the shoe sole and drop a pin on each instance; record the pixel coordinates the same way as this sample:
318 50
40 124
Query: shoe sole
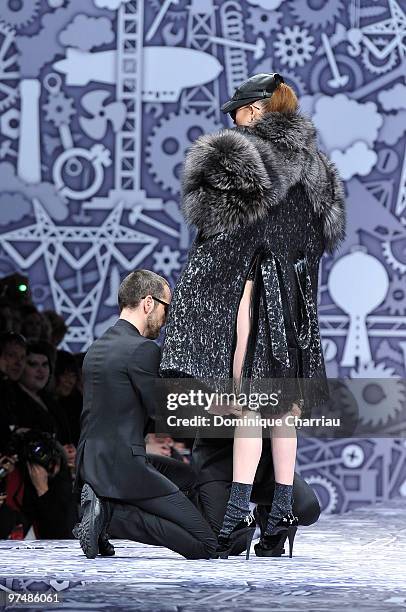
86 496
90 530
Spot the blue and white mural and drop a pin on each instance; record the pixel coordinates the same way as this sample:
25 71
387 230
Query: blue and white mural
100 99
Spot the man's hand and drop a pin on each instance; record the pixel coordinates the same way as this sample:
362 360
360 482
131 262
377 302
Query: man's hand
158 446
8 463
39 477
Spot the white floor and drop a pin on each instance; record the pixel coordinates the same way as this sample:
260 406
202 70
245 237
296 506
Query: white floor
355 561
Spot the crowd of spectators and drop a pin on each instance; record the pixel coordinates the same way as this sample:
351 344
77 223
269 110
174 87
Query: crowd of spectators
40 407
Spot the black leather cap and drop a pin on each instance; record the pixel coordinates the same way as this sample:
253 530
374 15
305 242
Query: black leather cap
255 88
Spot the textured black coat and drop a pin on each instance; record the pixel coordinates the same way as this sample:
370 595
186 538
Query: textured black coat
260 190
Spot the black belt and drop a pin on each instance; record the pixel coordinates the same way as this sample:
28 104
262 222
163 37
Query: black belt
268 275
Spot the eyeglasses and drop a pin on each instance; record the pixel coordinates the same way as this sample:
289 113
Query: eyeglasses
165 304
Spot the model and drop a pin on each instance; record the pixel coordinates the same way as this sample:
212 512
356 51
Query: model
267 204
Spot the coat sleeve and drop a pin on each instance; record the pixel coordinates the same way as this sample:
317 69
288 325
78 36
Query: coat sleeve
225 183
143 372
325 189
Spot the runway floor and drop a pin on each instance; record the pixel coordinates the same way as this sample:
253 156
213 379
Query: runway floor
355 561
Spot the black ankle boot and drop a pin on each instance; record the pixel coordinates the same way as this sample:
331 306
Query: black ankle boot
276 543
243 529
271 545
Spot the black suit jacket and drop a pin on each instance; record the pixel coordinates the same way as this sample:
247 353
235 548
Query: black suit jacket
119 399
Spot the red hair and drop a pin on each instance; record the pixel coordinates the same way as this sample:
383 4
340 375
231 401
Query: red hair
284 100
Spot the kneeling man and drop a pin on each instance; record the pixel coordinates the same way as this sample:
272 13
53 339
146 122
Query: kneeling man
123 488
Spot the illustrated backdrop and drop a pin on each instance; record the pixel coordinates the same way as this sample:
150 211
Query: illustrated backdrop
99 100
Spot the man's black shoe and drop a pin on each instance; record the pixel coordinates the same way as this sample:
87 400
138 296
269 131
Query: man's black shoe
95 515
106 548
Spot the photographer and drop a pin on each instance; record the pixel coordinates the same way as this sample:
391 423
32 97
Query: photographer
8 517
39 487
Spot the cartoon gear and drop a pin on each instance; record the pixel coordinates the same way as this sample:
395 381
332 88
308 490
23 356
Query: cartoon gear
167 144
291 78
262 21
392 250
294 46
19 13
320 482
8 62
166 261
353 456
59 109
395 300
367 58
325 14
381 399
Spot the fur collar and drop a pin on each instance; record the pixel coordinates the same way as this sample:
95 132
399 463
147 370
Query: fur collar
234 176
293 131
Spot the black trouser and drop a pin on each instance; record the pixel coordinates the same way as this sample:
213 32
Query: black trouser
213 497
172 520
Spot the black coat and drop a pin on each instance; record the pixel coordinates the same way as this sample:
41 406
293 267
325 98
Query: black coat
52 512
263 190
119 400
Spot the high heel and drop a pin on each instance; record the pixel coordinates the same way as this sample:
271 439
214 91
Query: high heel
291 536
246 527
275 543
270 545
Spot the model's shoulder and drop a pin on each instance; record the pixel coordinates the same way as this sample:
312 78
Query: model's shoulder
227 148
224 160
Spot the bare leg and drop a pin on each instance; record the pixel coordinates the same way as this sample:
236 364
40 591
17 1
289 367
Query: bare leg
247 443
284 445
243 330
247 440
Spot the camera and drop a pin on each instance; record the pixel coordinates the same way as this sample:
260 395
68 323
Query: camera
36 447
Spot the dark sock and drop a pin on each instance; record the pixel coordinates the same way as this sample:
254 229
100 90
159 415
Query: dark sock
238 507
281 505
